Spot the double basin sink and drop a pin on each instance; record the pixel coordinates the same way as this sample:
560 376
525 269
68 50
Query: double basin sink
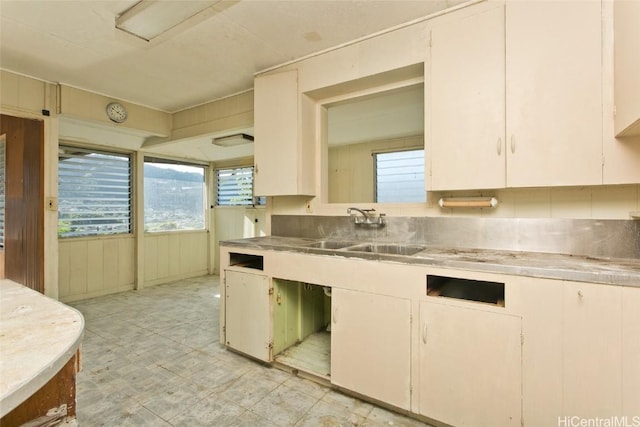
374 248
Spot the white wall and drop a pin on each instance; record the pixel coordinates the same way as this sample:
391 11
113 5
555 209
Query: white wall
597 202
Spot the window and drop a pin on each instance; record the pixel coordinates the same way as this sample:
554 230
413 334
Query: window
2 189
235 187
174 195
399 176
94 191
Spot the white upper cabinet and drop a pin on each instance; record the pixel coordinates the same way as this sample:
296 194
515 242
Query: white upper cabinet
626 16
516 96
467 102
554 93
283 163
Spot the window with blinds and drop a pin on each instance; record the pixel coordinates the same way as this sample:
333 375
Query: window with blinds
2 189
94 192
399 176
235 187
174 195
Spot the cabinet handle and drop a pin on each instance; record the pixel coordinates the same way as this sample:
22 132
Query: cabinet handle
255 168
499 146
335 314
513 144
424 333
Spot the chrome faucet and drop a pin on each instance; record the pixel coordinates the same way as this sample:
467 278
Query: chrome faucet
368 216
362 211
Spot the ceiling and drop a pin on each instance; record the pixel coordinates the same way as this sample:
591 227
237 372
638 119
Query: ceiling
213 55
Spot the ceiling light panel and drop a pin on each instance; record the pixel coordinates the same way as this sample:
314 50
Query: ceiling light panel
148 19
232 140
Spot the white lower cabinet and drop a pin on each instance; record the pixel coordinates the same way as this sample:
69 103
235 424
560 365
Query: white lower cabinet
470 366
539 302
248 322
546 351
631 351
592 350
371 345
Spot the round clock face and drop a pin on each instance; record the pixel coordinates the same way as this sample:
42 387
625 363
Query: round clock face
116 112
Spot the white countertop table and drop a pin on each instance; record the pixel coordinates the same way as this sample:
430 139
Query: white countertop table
38 336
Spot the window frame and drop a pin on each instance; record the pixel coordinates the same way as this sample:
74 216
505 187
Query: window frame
205 192
374 156
255 200
131 181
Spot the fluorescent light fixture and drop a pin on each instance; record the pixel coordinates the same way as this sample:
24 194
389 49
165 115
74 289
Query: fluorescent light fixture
148 19
231 140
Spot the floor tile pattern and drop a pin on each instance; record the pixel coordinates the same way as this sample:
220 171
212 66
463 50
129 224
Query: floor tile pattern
152 358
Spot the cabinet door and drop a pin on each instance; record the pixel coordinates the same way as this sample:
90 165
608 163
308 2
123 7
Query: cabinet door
470 366
467 102
630 350
371 345
277 147
627 67
248 314
539 301
554 93
592 356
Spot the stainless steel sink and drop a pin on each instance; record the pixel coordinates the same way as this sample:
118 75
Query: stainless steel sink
384 248
329 244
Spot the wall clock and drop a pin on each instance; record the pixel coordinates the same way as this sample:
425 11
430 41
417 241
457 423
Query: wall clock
116 112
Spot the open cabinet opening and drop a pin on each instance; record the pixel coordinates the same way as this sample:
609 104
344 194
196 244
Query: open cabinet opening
246 260
466 289
301 327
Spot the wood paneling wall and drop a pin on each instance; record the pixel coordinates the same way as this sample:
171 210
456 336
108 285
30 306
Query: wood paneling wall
24 201
91 267
174 256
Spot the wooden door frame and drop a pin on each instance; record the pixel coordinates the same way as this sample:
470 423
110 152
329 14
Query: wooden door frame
24 200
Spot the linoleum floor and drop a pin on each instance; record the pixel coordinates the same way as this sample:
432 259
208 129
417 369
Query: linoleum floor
152 358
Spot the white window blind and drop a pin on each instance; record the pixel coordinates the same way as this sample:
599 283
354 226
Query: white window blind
400 176
94 192
235 187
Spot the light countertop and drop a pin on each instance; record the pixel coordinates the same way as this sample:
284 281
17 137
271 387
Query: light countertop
38 336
